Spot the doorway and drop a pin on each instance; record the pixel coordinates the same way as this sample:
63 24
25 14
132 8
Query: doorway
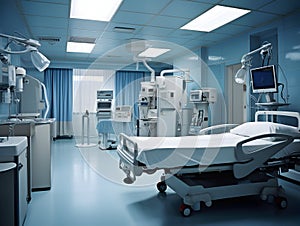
235 97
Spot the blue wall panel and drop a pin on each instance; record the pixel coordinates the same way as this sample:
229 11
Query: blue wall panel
289 56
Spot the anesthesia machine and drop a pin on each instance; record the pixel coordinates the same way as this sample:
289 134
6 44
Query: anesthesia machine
163 107
173 113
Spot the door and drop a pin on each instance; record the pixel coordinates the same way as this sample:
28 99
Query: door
235 97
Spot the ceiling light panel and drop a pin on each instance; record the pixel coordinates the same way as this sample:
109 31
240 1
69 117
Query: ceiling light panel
215 18
80 47
100 10
153 52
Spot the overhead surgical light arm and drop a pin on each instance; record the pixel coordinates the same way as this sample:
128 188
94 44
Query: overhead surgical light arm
186 72
150 69
30 45
246 62
144 61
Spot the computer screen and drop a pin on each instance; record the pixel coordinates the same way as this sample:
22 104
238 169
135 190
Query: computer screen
263 79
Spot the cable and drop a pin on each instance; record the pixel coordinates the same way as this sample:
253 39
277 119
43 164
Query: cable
286 82
281 92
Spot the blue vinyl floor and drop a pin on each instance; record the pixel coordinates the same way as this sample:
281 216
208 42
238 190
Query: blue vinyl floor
80 195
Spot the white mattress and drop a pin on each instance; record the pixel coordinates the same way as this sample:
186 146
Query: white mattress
172 152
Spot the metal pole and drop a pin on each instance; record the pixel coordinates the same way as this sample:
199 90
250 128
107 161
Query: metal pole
82 130
88 129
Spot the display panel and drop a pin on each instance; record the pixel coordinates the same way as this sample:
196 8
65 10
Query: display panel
263 79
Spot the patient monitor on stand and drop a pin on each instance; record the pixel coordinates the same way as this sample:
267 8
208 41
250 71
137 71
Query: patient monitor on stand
201 99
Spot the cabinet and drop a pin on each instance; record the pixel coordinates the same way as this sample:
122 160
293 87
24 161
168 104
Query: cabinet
13 150
22 129
41 157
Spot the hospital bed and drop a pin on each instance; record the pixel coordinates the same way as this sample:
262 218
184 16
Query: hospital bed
237 161
107 130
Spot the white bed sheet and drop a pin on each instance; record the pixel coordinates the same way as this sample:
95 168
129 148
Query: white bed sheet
172 152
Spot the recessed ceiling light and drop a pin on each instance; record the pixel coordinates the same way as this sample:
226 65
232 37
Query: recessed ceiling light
215 18
153 52
80 47
101 10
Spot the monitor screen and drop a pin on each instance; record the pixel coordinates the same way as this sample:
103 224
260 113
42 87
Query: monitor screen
104 105
264 79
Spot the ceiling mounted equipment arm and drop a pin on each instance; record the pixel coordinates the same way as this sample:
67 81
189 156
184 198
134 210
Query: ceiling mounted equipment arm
246 58
38 59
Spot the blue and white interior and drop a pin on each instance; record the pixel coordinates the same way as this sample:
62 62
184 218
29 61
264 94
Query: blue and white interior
83 100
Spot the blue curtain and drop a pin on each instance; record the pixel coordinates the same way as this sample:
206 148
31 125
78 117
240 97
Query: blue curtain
59 84
127 88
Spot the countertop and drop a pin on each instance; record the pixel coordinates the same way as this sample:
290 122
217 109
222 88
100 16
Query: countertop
12 146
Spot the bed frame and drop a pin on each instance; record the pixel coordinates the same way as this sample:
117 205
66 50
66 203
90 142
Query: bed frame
251 175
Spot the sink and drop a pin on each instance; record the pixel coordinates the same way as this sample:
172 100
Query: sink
12 146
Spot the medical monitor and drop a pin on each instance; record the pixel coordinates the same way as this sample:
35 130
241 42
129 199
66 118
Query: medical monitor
103 105
105 94
263 79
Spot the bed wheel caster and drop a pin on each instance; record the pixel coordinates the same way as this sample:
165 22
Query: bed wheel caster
185 210
161 186
208 204
281 202
263 197
127 180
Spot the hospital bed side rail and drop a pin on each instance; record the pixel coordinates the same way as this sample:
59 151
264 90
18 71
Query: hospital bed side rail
248 162
128 152
216 129
291 114
128 148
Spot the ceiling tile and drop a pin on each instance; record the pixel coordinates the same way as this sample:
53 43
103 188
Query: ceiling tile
45 31
185 9
84 33
214 36
186 34
117 35
157 31
132 18
207 1
282 7
87 25
54 22
231 29
254 19
245 4
45 9
144 6
168 22
150 37
63 2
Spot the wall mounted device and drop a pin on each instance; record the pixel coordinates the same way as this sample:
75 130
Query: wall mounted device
123 113
201 98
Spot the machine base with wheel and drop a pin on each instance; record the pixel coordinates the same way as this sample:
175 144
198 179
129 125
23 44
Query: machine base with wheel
197 188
